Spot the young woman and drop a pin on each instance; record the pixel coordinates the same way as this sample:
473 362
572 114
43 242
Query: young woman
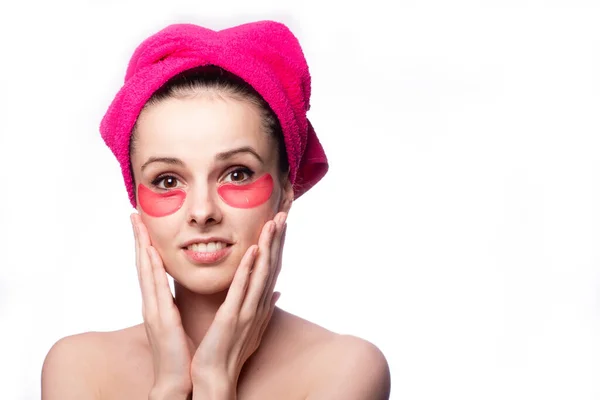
211 133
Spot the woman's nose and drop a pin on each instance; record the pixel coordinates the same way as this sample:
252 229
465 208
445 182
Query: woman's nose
203 206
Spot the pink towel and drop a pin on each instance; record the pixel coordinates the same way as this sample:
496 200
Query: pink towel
265 54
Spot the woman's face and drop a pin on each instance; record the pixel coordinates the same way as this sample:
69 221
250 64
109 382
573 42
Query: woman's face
193 184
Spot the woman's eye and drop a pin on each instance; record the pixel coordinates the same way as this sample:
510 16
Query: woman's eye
237 175
165 182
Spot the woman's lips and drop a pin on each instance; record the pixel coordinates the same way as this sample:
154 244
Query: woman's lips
198 257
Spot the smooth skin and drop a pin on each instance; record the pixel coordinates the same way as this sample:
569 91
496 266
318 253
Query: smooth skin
220 335
236 331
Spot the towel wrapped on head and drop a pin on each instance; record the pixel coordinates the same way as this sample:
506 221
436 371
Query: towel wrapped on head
265 54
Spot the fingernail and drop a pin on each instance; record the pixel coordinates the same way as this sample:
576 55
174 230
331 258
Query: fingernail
277 296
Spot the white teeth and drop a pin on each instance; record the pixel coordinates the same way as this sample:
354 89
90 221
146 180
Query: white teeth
207 247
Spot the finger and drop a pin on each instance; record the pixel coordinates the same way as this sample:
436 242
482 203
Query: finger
277 260
137 248
149 306
239 285
260 273
137 252
267 320
280 219
164 297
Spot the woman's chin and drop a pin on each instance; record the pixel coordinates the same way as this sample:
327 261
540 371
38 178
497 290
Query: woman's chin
205 280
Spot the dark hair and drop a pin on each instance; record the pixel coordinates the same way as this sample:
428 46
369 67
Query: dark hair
220 82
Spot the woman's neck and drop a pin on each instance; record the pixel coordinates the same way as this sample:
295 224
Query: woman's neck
197 311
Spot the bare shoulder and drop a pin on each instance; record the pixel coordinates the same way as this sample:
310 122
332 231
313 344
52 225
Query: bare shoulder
75 365
333 365
351 368
67 372
348 348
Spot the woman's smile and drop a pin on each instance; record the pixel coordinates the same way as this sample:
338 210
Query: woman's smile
210 253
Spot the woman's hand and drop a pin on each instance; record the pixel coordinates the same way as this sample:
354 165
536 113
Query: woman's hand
240 322
172 348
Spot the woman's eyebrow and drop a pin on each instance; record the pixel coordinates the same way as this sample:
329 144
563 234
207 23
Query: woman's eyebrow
166 160
220 156
245 149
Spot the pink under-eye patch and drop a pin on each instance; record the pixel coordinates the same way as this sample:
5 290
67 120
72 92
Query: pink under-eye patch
160 204
247 196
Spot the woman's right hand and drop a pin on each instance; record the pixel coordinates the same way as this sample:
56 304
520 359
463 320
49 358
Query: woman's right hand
172 348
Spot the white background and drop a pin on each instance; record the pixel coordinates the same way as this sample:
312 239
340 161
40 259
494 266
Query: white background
457 228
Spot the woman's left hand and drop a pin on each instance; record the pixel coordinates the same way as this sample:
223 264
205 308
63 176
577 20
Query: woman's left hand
240 322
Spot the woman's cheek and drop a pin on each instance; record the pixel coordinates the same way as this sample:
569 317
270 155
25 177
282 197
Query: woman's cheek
247 196
160 204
